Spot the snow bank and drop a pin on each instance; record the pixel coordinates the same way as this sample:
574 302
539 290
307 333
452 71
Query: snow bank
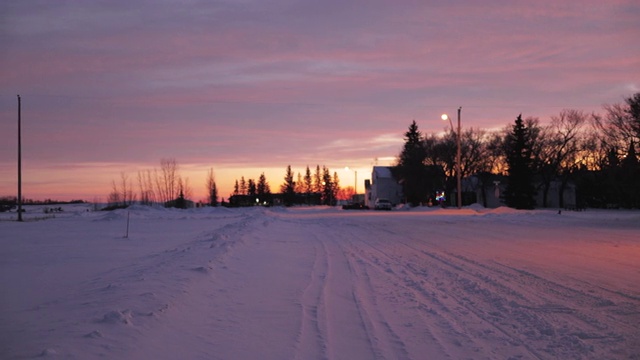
319 282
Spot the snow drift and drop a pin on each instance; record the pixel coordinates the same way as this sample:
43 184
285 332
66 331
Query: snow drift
321 283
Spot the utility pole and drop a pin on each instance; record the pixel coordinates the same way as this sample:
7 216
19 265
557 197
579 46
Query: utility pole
19 161
446 117
458 173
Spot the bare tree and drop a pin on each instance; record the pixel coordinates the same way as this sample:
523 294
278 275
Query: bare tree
167 180
558 148
114 196
184 188
440 151
126 189
620 125
474 157
145 183
121 195
592 154
496 151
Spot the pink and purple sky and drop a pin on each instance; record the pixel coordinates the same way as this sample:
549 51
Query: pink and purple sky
251 86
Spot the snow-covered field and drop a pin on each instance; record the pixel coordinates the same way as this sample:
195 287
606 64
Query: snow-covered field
320 283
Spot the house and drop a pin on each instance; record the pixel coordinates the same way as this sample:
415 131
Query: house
382 186
488 190
485 188
557 189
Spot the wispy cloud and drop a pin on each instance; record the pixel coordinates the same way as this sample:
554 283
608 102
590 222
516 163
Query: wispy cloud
250 83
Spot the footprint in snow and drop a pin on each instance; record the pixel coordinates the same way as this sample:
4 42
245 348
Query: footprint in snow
93 335
116 317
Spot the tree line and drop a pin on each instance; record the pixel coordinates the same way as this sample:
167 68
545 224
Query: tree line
163 186
319 188
595 152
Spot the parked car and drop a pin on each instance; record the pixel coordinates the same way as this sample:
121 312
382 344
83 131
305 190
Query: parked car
383 204
355 206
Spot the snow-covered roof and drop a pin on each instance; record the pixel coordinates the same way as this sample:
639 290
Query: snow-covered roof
382 171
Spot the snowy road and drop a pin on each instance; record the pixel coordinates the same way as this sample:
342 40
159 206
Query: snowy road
323 284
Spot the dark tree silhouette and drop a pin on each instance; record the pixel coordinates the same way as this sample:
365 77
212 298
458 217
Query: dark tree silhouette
520 190
264 190
251 188
327 187
629 173
634 113
212 189
410 169
243 186
288 188
317 180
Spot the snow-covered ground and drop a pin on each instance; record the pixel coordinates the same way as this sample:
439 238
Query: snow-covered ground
320 283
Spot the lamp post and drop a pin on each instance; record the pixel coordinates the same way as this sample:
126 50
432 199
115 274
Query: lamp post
355 184
446 117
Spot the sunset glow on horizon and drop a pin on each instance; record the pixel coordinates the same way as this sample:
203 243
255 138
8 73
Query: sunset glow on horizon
251 87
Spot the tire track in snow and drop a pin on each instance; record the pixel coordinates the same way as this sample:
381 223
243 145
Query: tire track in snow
387 344
535 313
552 317
346 334
389 334
311 342
436 321
348 321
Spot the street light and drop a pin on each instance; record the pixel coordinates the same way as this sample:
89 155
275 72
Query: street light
446 117
355 185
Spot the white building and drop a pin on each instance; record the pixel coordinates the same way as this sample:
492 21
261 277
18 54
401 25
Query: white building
382 186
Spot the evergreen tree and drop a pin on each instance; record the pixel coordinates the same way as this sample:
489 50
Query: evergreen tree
317 180
631 159
327 187
236 188
308 183
263 189
243 186
251 188
181 202
335 184
410 169
212 189
520 190
288 188
629 175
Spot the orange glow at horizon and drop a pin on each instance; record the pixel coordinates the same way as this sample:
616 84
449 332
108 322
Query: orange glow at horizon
94 183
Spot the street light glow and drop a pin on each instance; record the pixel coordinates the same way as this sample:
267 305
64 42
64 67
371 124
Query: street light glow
446 117
355 187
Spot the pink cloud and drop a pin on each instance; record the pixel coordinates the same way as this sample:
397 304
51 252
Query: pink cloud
250 83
